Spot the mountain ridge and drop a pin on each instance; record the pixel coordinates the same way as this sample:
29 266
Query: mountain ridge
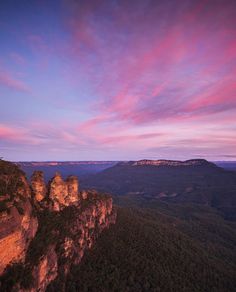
167 162
192 181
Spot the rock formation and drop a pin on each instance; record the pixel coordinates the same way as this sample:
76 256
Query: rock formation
45 231
71 239
38 186
63 193
73 188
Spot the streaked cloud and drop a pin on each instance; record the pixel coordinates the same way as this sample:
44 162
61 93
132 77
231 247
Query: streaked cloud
123 77
10 82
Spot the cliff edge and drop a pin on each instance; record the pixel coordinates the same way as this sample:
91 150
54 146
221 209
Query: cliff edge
45 229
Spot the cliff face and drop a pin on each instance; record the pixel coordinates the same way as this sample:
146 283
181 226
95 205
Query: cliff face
44 230
16 231
17 223
66 235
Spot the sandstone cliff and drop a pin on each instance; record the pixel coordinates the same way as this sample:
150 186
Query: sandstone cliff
44 230
18 225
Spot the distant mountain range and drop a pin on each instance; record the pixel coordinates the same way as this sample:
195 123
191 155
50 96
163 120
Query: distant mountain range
230 165
193 181
164 162
54 163
223 164
79 168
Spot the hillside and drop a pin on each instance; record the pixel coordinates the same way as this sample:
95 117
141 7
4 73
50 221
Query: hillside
228 165
151 250
194 181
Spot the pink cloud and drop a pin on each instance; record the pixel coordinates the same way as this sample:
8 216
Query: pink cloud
124 139
159 74
8 133
220 96
35 135
8 81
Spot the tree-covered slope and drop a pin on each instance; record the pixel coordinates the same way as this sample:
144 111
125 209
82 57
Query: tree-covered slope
151 250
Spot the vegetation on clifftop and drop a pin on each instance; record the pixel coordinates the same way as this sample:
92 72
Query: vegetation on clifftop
10 182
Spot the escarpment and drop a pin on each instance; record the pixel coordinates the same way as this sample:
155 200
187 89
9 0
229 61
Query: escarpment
18 224
45 229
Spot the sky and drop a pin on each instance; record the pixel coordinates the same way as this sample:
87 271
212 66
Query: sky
117 79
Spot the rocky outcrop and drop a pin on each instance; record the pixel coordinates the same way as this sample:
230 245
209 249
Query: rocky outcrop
58 194
73 188
38 186
46 229
63 193
72 238
62 239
